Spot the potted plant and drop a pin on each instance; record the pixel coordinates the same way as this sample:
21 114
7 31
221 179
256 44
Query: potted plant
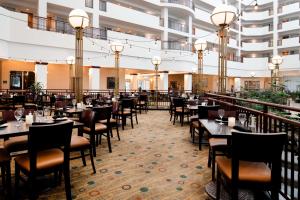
36 90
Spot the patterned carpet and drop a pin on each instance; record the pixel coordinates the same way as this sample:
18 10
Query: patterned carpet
153 161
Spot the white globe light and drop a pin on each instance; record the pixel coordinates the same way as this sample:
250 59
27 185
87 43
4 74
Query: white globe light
277 60
156 60
200 44
78 18
71 60
116 46
252 74
271 66
223 15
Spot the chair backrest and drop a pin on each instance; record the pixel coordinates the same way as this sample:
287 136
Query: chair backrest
143 97
213 114
87 117
103 113
126 103
203 111
258 147
19 100
42 137
8 115
178 102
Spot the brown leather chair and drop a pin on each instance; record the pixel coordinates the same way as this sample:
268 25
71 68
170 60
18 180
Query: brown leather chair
5 171
47 153
248 168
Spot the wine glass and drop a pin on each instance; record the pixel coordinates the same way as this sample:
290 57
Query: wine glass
18 115
39 115
74 102
221 113
88 101
46 112
242 118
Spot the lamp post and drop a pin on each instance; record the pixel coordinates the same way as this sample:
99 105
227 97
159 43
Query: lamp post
71 62
156 60
271 68
276 61
222 17
79 20
200 46
117 47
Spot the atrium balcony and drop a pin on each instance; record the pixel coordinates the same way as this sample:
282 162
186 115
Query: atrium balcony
186 3
289 42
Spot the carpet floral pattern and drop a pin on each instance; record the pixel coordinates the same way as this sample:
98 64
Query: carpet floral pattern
153 161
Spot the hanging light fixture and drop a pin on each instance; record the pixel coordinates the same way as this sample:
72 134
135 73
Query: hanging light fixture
79 20
256 5
222 16
200 46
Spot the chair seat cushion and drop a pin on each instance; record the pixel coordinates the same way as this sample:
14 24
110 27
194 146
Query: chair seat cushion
248 171
125 112
185 110
78 142
215 142
195 124
45 159
194 118
15 144
98 127
4 156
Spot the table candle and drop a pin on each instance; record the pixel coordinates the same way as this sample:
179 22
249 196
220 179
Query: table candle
29 119
231 121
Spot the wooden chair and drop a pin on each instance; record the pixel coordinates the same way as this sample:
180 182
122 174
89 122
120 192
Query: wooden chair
125 110
248 168
142 103
103 114
180 110
5 172
18 101
48 152
195 125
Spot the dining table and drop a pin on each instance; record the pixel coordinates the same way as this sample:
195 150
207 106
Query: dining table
14 128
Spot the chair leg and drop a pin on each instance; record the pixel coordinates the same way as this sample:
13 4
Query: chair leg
200 137
136 119
83 157
209 158
218 192
97 140
17 180
174 118
31 180
123 122
108 142
92 159
8 180
181 119
111 132
92 141
118 132
171 115
213 164
67 181
3 174
131 120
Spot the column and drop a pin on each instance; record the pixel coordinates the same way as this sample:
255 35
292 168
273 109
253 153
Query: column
163 80
134 82
95 15
41 73
188 82
275 27
165 18
42 12
237 84
94 78
190 23
239 39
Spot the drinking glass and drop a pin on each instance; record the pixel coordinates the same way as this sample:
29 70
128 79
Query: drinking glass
46 112
88 101
18 115
74 102
39 115
242 118
221 113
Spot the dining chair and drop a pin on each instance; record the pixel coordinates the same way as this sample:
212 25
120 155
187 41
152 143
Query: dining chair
5 172
255 163
142 103
18 101
180 110
48 152
103 114
125 110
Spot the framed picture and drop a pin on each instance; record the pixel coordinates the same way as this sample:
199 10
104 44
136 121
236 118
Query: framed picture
110 82
15 80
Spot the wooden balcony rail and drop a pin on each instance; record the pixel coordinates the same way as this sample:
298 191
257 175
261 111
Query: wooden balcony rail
268 121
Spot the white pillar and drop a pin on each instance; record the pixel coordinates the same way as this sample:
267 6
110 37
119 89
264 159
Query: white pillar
190 20
165 17
237 84
163 81
41 73
94 78
188 82
42 12
275 26
95 15
134 82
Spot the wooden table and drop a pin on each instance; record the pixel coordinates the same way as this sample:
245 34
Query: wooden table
215 129
12 130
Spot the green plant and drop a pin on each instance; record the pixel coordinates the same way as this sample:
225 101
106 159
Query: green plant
36 88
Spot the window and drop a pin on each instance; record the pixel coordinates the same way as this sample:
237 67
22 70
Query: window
89 3
102 5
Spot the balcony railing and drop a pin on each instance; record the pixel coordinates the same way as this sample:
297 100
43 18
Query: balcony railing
59 26
177 26
174 45
270 121
187 3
